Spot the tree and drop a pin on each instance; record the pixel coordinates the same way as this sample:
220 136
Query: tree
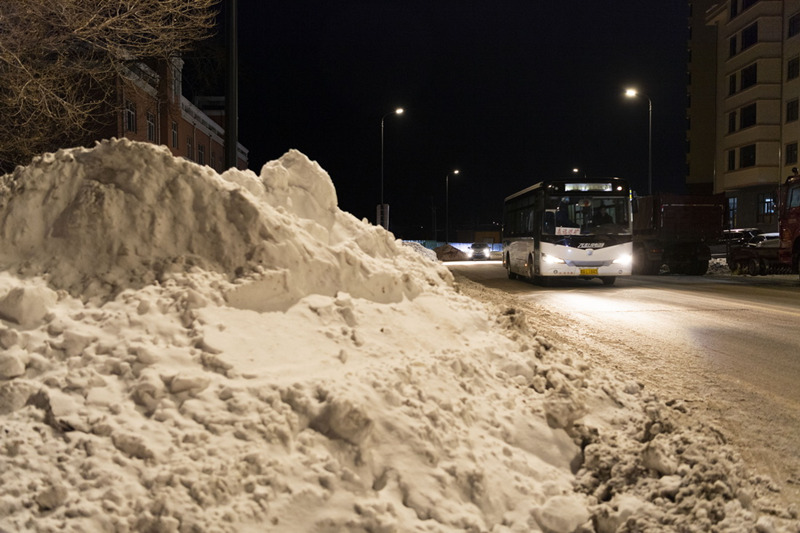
60 61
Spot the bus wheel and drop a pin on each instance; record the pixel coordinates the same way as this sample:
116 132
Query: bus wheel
608 280
531 274
511 275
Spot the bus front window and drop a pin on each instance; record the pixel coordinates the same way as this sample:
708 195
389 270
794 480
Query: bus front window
587 215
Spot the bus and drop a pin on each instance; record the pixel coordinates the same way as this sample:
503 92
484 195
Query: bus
578 228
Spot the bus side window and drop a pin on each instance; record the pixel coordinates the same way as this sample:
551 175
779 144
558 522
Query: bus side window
549 222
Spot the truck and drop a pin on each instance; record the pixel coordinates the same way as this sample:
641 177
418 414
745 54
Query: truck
781 253
676 230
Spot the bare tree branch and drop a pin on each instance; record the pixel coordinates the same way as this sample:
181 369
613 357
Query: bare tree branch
61 59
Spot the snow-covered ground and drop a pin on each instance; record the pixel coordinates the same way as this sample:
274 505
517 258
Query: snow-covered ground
184 351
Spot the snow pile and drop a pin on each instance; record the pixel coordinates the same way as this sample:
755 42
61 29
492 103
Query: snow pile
189 352
123 215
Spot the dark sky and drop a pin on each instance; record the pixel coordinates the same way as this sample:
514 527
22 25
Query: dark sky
508 92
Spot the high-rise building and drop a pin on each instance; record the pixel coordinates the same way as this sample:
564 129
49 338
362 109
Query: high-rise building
756 86
700 101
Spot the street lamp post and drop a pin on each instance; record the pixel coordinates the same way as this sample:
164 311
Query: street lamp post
632 93
447 205
383 211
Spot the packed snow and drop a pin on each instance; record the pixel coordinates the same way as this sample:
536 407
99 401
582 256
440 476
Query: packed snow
184 351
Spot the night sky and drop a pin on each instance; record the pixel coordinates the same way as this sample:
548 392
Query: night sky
508 92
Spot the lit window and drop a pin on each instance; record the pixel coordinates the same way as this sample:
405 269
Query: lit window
733 211
766 208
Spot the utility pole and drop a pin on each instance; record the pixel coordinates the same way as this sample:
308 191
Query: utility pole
232 97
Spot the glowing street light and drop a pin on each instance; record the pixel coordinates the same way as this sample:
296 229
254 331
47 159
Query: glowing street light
447 205
633 93
383 209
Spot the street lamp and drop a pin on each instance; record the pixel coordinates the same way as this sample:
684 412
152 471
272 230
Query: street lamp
633 93
447 205
383 209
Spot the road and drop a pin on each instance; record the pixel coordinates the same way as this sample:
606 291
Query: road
728 346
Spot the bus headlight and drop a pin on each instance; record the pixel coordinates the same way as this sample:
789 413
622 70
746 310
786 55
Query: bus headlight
551 259
625 259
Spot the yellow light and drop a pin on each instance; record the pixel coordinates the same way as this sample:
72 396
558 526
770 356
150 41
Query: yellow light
631 92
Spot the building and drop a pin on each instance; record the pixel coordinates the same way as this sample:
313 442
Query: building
755 101
153 109
700 101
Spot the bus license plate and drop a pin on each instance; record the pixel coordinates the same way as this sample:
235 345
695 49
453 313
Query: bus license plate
588 272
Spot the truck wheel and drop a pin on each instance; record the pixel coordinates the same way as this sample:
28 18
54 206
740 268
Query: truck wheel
753 267
699 268
639 262
608 280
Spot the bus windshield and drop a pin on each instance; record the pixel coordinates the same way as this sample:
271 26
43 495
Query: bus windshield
586 215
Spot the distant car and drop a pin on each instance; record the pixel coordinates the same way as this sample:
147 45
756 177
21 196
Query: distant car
479 250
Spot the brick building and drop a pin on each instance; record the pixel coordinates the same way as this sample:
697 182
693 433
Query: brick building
153 109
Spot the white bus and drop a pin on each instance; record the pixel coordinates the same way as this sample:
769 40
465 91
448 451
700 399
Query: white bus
580 228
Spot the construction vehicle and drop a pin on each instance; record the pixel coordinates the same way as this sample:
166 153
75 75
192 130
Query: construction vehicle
676 230
780 254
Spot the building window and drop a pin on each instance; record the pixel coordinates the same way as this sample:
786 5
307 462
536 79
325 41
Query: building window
791 153
731 159
213 160
734 8
794 25
748 116
732 84
732 46
151 127
766 208
174 134
747 156
749 76
791 110
748 3
733 212
793 68
731 121
130 116
189 148
750 36
201 154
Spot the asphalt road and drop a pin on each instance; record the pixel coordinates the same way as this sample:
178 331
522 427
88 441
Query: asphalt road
729 346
